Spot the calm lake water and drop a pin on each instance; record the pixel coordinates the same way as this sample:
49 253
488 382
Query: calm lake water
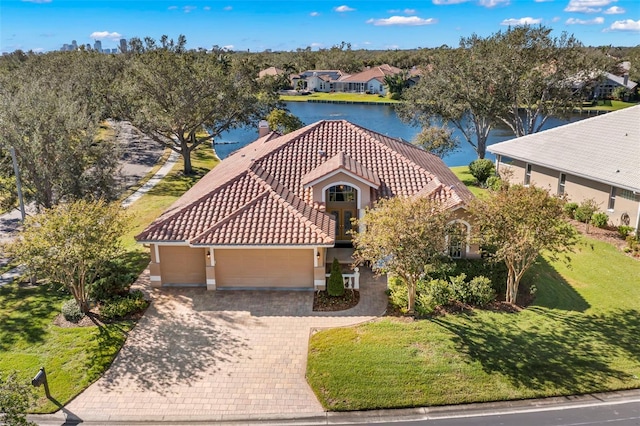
380 118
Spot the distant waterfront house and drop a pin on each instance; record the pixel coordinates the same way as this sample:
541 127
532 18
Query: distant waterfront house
317 80
610 82
370 80
268 215
596 158
271 71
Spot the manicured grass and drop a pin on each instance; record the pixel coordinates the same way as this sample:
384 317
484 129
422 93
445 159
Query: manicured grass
462 172
608 105
347 97
580 335
72 357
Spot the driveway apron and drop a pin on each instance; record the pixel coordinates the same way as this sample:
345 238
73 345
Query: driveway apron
218 355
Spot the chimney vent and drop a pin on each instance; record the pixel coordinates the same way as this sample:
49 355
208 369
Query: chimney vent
626 78
263 128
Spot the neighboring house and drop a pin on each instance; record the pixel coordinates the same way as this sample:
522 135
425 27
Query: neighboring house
271 71
596 158
610 82
317 80
266 216
370 80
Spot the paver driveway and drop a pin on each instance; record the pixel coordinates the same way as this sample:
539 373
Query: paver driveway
218 355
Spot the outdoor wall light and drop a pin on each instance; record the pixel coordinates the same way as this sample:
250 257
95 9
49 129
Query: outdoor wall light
208 254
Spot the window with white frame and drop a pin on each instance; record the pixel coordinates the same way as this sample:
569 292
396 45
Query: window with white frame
457 239
527 174
612 198
561 183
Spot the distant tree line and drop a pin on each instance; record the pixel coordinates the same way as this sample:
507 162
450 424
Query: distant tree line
53 105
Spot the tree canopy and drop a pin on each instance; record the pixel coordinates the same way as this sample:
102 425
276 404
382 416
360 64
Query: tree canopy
71 244
516 224
406 237
184 99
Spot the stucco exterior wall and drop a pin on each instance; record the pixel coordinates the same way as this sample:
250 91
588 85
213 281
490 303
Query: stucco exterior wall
364 190
286 268
577 189
182 265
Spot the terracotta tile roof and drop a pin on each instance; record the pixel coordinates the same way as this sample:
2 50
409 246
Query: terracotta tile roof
378 73
341 161
257 195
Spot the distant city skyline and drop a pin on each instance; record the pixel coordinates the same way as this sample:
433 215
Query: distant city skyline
45 25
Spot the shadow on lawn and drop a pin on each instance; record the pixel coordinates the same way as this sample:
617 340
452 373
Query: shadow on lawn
554 291
30 313
561 351
171 345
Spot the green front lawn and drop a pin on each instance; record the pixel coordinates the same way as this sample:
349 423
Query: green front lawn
607 105
72 357
580 335
76 357
338 96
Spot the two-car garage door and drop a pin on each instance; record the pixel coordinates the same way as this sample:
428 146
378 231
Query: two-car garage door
264 268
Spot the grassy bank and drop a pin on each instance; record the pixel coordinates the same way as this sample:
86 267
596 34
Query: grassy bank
579 336
339 97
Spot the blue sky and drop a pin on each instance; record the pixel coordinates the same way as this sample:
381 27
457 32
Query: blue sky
43 25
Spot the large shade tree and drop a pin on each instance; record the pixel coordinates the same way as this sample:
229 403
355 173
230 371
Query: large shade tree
406 237
517 223
71 244
182 99
54 134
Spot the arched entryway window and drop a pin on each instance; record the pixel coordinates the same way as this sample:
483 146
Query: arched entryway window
342 204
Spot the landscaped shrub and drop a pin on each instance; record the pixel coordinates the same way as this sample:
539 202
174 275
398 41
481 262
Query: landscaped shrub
397 292
600 219
121 307
481 291
460 288
495 183
424 304
440 292
496 272
71 311
624 230
115 281
570 209
481 169
335 287
585 211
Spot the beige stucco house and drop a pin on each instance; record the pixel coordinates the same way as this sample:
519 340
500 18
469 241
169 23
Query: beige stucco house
266 216
595 158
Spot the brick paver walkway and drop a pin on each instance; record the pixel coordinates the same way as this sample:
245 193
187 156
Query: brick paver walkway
218 355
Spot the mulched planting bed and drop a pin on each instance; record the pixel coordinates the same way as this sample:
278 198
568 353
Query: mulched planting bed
322 302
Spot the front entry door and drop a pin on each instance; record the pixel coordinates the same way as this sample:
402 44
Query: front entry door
343 223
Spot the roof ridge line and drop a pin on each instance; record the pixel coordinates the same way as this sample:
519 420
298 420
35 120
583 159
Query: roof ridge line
233 214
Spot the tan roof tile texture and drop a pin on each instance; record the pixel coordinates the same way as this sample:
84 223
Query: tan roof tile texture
257 195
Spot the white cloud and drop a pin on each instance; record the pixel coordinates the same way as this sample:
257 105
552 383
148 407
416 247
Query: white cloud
587 6
207 8
615 10
101 35
314 14
595 21
521 21
318 45
344 8
626 25
444 2
542 1
37 2
172 7
410 21
188 9
227 8
493 3
405 11
556 19
228 47
38 49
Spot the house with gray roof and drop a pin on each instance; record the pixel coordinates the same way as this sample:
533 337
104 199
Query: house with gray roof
595 158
